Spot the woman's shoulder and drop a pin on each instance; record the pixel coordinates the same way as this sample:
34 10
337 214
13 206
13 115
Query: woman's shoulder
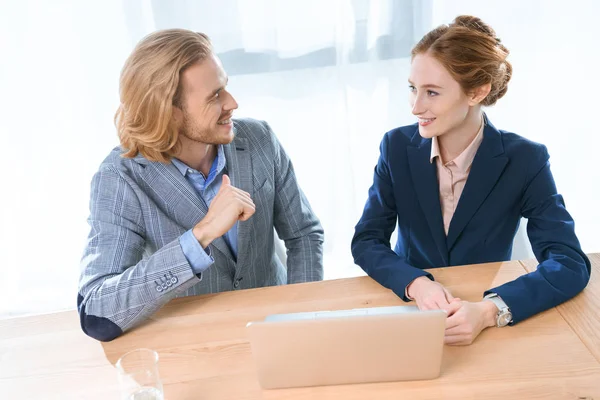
519 146
404 135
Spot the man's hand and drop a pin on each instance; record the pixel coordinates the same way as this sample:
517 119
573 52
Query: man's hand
430 295
466 320
229 206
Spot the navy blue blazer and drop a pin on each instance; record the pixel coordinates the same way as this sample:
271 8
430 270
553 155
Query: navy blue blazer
510 178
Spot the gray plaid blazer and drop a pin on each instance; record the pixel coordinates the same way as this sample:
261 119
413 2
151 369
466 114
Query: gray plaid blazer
133 262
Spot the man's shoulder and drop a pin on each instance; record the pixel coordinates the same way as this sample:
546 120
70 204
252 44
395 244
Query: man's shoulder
116 163
251 128
258 135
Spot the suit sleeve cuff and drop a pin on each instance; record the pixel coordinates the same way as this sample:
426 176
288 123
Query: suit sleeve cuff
399 283
200 259
503 295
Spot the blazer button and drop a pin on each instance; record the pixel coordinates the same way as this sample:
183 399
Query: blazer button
173 280
159 288
236 284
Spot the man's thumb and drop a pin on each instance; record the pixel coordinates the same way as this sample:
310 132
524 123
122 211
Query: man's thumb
226 180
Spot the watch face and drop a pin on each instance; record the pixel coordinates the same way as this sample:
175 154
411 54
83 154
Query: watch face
504 319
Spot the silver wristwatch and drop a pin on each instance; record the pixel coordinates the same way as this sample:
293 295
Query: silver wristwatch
504 316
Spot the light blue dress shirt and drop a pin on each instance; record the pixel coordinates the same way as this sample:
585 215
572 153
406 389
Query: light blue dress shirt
206 188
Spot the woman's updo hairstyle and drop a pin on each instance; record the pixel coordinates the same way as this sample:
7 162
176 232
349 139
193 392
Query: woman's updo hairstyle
470 50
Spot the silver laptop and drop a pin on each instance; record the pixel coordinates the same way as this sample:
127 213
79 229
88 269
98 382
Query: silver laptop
348 346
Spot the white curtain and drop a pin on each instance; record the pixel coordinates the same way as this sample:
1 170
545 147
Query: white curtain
329 76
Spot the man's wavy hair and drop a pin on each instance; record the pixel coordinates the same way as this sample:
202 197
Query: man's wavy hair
150 88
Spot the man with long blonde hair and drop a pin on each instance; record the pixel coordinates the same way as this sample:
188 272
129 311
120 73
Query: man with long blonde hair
187 203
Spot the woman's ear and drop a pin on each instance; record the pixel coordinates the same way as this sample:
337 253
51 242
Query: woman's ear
480 93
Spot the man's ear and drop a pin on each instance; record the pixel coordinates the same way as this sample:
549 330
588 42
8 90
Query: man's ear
479 93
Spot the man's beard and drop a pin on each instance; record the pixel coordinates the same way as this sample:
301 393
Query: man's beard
193 137
192 132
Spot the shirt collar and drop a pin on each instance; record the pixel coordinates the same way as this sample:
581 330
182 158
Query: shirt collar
218 163
435 149
465 159
180 165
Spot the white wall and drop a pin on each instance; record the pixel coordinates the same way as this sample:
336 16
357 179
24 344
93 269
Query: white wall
58 82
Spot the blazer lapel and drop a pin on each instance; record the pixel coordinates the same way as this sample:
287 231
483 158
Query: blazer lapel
424 176
239 168
486 169
178 196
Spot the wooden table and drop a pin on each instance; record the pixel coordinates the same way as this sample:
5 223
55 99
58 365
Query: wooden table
583 312
204 353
